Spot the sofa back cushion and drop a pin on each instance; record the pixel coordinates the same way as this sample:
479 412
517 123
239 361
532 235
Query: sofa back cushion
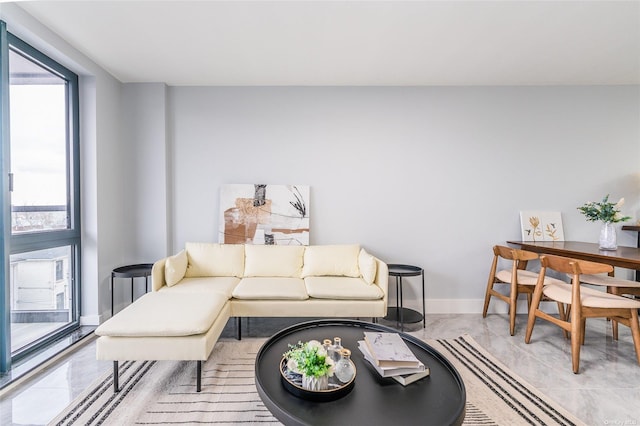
273 261
214 260
331 260
368 266
175 267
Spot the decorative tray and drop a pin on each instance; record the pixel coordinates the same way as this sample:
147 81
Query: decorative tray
293 383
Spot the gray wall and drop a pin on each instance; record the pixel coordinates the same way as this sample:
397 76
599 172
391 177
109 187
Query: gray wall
432 176
426 176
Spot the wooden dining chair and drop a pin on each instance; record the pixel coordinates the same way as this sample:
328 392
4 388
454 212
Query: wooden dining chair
584 303
519 280
614 285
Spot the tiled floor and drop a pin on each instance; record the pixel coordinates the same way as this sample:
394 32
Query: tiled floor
26 366
606 392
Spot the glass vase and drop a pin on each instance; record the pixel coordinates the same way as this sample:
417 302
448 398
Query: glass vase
335 349
608 238
315 384
344 368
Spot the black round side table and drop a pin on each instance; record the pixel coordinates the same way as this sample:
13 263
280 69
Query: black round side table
400 314
131 271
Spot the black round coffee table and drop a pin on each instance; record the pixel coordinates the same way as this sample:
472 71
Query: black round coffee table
438 399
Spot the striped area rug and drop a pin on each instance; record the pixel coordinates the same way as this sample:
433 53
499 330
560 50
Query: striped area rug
163 393
495 392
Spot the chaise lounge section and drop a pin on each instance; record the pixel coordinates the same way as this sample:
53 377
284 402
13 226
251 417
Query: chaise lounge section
196 291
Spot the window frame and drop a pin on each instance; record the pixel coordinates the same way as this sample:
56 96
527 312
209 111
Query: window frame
11 243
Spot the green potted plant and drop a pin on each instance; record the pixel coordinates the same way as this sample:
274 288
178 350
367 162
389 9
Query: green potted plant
311 360
608 213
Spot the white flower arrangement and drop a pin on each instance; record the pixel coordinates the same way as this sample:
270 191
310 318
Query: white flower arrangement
604 211
309 359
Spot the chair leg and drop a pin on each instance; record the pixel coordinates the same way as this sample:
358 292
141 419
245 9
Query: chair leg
513 299
490 282
583 328
576 339
563 316
614 323
635 331
535 303
487 297
531 320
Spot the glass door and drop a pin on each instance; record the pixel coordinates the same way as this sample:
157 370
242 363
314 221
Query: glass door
43 289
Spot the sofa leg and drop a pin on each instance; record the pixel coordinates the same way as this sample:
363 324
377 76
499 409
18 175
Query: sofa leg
374 320
115 377
199 376
239 328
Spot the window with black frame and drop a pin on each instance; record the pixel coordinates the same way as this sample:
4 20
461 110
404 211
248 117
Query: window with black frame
40 158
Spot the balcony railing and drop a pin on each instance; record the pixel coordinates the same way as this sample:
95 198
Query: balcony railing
38 218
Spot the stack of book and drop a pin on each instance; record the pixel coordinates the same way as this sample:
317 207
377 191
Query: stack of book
391 357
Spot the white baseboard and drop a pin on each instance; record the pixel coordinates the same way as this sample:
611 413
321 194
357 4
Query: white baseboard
90 320
474 306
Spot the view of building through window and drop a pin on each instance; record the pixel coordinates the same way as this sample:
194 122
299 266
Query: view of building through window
41 292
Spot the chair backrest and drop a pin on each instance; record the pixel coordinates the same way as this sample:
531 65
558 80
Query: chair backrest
514 254
575 267
568 265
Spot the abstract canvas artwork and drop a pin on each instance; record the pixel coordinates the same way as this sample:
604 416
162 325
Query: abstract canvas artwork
541 226
264 214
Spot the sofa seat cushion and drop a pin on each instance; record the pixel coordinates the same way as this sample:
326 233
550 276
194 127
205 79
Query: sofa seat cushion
165 314
280 288
342 288
205 285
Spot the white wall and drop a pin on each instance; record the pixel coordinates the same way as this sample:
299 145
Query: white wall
426 176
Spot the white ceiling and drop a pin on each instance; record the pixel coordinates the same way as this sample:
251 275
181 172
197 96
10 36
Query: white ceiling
354 42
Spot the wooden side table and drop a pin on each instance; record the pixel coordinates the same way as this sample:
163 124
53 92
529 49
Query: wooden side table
400 314
131 271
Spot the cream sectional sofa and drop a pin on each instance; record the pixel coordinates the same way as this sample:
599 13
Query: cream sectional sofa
196 291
